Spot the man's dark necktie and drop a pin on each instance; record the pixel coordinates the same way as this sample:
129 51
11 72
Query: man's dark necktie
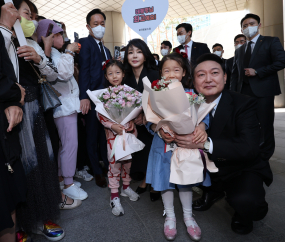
246 60
102 51
211 121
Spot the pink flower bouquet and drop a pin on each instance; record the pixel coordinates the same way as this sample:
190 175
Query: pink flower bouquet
173 110
120 101
120 104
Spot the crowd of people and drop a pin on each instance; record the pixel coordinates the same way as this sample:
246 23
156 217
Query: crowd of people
42 151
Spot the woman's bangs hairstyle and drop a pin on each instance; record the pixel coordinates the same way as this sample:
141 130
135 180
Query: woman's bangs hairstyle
113 63
149 59
184 63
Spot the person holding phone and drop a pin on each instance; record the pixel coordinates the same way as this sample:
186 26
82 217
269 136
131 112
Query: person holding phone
65 116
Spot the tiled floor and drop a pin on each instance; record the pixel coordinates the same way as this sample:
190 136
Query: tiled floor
143 220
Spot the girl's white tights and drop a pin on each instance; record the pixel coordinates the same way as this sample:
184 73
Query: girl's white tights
167 199
185 195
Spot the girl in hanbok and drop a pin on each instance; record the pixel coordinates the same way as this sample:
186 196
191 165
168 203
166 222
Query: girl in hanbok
174 66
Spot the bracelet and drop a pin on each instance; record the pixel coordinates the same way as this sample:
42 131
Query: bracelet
70 52
6 26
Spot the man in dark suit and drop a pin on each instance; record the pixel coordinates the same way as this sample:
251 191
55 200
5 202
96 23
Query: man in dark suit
254 73
239 40
193 49
165 48
157 61
92 54
218 50
233 145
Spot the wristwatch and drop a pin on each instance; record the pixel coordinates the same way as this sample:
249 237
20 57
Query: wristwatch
255 72
70 52
207 145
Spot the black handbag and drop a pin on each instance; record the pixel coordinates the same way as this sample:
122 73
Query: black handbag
49 96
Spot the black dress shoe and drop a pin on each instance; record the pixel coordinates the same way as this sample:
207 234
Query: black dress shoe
241 228
100 181
154 196
207 200
141 190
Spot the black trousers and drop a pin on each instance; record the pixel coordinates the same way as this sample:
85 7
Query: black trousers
82 154
245 194
96 141
265 113
53 133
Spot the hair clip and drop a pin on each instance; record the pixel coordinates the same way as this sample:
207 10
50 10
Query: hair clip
105 64
181 52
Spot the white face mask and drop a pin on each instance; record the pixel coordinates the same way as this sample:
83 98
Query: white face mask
250 31
164 52
98 31
237 46
181 39
218 53
36 24
122 54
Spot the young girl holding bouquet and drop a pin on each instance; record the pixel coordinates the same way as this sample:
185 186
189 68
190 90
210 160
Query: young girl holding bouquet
174 66
114 73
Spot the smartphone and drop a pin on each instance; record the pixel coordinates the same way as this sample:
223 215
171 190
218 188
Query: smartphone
58 23
117 52
76 37
49 31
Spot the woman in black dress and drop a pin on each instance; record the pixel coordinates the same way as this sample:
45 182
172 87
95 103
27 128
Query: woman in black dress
12 185
139 63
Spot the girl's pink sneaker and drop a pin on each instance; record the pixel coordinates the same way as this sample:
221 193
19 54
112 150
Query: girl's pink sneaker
169 234
193 229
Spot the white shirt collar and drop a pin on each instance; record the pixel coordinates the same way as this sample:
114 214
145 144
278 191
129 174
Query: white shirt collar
254 39
97 41
216 101
189 44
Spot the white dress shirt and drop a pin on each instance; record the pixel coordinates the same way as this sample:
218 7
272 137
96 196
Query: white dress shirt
254 40
98 41
189 49
7 34
216 101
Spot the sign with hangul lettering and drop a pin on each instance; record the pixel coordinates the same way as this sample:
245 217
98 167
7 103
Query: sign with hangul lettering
143 16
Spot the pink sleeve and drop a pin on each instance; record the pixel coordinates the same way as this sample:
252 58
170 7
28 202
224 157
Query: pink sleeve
107 123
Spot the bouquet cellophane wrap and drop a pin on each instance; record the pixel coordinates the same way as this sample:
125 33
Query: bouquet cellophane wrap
171 110
132 144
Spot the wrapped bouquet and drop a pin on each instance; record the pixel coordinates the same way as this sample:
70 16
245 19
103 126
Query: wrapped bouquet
120 104
167 105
